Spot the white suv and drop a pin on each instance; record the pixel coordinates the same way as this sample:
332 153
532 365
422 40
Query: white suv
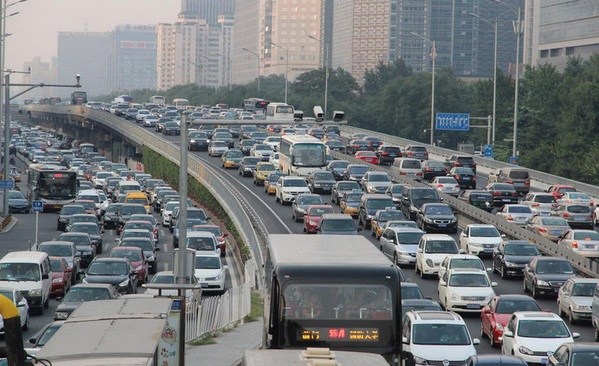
432 249
480 239
465 290
210 272
289 187
436 338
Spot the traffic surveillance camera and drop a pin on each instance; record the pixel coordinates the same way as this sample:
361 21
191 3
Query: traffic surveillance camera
78 78
318 113
338 116
298 115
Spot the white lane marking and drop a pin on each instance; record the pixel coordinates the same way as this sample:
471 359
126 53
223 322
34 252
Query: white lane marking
165 266
165 248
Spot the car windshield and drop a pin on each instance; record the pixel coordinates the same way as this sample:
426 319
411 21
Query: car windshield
543 329
379 204
579 209
584 289
324 176
82 294
135 233
484 232
503 187
464 171
578 196
200 243
163 279
446 180
234 154
440 334
266 168
438 210
411 164
554 267
512 305
107 268
585 358
585 235
294 183
544 198
19 272
145 245
424 194
468 280
15 195
339 165
77 239
250 161
519 209
411 292
409 238
554 221
56 265
358 169
48 333
207 262
338 225
391 215
85 228
441 246
309 200
138 225
132 255
348 186
466 263
72 210
57 250
129 210
379 178
521 249
397 189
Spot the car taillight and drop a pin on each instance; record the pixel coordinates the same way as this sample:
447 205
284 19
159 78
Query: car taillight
419 174
496 193
527 182
439 185
535 204
575 244
427 169
509 181
384 153
457 176
567 215
542 230
510 217
403 173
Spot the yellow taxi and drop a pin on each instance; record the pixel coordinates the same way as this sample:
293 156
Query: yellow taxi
263 169
381 217
270 183
231 158
350 203
138 197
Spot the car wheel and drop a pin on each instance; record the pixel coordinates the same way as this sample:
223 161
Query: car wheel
416 270
524 287
571 317
46 303
482 331
26 325
503 272
535 292
595 333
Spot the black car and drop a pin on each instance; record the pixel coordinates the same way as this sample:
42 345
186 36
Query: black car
128 209
545 275
301 203
337 167
432 169
246 145
341 187
437 217
84 245
493 360
373 142
316 132
479 198
65 215
388 153
357 145
414 197
369 205
503 193
321 182
147 246
460 161
395 191
335 145
92 230
114 271
510 257
247 165
575 354
355 172
171 128
465 176
81 293
197 140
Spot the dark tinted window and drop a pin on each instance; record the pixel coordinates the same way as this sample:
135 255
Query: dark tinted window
410 164
518 174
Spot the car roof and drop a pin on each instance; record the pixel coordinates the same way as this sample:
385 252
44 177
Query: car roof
536 315
435 316
94 285
202 253
466 270
200 234
404 229
437 237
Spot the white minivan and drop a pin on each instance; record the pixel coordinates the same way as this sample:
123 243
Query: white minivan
409 167
28 272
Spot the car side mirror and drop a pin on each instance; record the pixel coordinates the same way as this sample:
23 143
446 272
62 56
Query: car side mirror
404 340
494 284
489 269
419 250
442 283
32 340
45 276
503 236
463 234
476 341
462 251
575 335
157 249
508 334
392 241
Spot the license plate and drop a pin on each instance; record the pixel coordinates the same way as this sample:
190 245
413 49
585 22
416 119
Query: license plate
442 225
488 250
578 218
466 178
544 361
592 247
204 285
438 169
556 232
506 200
518 184
472 306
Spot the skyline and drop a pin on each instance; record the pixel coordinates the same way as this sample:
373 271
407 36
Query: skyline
27 42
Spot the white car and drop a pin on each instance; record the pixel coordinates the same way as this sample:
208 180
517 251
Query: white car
167 212
168 277
99 180
288 187
577 198
448 185
480 239
22 307
465 290
540 203
401 244
210 272
575 298
436 338
375 182
217 148
262 151
535 335
461 261
432 249
150 121
141 114
274 159
273 142
516 214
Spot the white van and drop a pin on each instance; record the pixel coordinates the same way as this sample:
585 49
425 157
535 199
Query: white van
409 167
124 186
92 195
28 272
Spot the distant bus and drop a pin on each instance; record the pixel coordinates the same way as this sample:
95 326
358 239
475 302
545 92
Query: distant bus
280 112
301 154
316 291
181 103
157 99
78 98
123 99
54 185
255 105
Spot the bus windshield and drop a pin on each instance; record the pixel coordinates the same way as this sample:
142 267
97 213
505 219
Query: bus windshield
57 185
309 155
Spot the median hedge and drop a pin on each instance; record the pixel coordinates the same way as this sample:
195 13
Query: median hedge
162 168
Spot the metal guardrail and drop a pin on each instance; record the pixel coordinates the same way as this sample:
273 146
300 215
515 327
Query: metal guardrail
584 265
538 176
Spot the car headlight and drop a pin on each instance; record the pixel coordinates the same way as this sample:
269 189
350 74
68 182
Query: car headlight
429 263
420 360
312 223
369 217
61 315
58 280
193 141
454 297
84 280
428 220
525 351
400 252
139 268
124 283
499 327
581 307
510 264
35 292
219 277
542 283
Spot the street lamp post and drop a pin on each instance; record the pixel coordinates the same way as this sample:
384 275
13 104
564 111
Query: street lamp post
517 25
433 56
257 59
286 66
494 25
326 72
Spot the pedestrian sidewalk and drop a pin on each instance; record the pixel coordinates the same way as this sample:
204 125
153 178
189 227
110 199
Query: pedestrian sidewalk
229 347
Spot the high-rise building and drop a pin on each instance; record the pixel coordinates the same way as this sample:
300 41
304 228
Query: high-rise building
134 57
561 30
87 54
39 72
246 63
210 10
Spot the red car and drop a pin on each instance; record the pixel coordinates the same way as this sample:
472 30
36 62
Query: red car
313 215
558 190
60 275
367 156
497 313
220 236
135 255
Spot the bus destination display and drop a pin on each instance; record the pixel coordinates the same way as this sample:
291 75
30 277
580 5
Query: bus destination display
336 334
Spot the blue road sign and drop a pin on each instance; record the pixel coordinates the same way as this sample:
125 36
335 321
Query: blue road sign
488 151
452 122
6 184
514 160
37 206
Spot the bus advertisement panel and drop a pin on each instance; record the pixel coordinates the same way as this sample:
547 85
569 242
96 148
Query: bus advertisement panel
54 185
301 154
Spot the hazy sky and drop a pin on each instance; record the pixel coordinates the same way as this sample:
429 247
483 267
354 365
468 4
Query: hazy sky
35 29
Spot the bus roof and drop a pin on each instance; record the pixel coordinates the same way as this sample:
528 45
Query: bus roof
98 328
49 167
298 250
298 357
294 139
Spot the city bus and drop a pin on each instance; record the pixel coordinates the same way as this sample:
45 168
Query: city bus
280 112
180 103
256 105
54 185
78 98
157 99
334 291
301 154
